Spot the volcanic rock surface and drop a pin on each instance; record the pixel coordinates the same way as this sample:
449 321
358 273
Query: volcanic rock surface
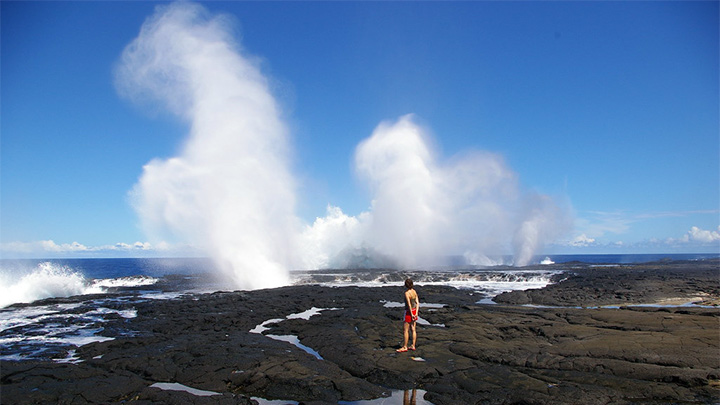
562 350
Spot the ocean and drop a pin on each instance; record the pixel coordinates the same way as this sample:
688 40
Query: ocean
32 329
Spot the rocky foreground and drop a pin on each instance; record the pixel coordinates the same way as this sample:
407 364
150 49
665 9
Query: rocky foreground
561 350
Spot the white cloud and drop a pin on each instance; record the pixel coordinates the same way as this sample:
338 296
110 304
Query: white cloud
42 246
696 234
46 248
65 247
582 240
142 245
696 240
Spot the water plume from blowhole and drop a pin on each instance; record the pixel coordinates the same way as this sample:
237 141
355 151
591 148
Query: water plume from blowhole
231 190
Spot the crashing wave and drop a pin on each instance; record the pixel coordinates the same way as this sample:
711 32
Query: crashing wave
51 280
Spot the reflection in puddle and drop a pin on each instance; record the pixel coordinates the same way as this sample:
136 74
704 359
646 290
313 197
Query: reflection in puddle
399 397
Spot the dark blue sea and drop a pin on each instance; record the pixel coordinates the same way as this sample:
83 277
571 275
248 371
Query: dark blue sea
27 280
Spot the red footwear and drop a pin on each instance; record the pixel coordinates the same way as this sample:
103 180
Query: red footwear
402 350
412 348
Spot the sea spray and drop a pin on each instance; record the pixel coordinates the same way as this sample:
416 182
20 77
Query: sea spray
425 208
45 281
229 191
51 279
541 220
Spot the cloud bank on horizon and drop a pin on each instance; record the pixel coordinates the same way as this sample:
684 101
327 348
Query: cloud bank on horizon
695 238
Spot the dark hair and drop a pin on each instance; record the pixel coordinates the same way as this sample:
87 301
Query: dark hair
408 284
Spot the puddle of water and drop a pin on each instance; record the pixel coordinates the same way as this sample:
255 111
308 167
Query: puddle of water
263 401
180 387
687 305
398 397
486 301
262 327
292 339
310 312
423 305
295 341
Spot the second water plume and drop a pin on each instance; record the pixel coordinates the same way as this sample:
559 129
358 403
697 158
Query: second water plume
425 208
229 191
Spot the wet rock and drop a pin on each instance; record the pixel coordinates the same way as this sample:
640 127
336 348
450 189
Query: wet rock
492 354
646 283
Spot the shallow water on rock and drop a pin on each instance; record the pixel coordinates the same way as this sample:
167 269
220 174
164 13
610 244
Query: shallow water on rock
398 397
292 339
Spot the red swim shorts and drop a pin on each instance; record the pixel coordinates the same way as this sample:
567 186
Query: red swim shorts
408 317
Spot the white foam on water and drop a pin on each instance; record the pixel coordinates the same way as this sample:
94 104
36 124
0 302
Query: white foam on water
71 358
82 338
164 295
126 313
52 280
45 281
23 316
133 281
488 282
29 332
547 261
495 288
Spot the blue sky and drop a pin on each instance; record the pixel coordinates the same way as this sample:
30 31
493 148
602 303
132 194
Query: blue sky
610 108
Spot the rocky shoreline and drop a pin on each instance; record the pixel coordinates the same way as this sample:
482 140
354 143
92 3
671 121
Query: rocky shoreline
556 345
